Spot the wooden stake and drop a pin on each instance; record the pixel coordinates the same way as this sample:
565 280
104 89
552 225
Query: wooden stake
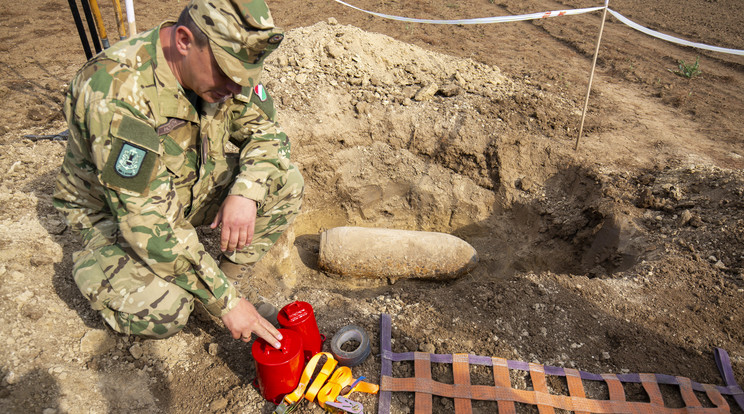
591 76
120 20
99 23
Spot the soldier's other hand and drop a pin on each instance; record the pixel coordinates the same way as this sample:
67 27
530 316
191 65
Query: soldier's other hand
244 319
238 218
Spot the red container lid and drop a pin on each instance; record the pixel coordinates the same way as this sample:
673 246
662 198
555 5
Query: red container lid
295 313
265 354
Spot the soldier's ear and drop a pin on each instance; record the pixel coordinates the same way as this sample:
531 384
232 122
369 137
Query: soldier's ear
184 40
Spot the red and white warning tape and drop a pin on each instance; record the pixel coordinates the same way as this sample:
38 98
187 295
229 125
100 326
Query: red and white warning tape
480 20
673 39
553 13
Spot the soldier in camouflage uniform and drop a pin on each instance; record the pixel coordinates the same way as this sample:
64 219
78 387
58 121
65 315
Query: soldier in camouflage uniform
146 163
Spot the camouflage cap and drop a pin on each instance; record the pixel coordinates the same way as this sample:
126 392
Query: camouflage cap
241 34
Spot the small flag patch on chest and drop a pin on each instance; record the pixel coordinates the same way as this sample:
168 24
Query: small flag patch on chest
260 92
130 159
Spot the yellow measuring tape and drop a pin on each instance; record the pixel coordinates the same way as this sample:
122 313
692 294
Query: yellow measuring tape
326 386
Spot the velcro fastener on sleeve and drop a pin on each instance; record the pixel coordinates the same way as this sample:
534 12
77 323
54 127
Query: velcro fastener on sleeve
135 131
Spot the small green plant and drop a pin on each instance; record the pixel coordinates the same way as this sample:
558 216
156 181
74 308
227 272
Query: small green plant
688 70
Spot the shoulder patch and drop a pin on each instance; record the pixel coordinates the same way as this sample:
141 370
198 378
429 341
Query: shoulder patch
260 92
261 98
130 160
169 126
135 146
129 167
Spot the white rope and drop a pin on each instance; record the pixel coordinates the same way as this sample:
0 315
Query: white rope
673 39
480 20
552 13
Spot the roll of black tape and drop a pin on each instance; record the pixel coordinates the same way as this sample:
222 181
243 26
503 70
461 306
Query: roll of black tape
356 356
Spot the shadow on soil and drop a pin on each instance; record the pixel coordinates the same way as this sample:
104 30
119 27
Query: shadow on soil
66 289
35 391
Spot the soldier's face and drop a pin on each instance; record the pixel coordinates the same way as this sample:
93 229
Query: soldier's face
206 78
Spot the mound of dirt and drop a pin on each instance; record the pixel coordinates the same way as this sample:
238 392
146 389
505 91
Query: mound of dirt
624 256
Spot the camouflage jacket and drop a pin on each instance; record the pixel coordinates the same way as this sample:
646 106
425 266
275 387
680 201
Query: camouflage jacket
142 162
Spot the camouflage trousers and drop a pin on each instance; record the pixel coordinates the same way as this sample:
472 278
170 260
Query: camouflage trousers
133 300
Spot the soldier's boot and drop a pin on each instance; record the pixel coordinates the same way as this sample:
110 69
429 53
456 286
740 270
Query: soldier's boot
235 273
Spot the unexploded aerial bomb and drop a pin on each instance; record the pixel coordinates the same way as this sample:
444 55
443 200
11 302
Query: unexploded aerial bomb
381 252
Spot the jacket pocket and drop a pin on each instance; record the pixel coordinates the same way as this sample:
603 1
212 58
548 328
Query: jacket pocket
174 157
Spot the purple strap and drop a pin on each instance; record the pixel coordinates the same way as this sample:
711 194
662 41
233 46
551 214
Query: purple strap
388 357
724 367
384 404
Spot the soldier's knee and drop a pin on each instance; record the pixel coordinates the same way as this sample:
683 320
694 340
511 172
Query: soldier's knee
297 182
152 323
289 196
165 331
291 185
285 196
165 325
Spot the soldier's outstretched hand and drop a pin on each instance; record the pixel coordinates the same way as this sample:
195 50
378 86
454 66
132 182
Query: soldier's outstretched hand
244 319
238 218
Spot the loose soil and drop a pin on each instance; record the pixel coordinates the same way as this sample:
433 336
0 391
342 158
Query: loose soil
622 256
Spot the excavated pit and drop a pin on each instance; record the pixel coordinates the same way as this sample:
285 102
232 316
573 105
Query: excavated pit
404 138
